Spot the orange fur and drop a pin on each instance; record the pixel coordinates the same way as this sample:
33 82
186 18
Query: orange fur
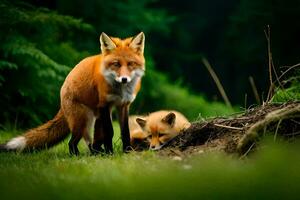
49 133
136 132
161 126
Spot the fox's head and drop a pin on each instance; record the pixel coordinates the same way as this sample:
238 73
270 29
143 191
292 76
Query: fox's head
123 60
159 128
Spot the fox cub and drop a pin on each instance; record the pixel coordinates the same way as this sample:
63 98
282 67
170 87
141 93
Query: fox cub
157 128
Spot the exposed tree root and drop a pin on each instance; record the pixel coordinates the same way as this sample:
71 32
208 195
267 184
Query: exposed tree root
252 134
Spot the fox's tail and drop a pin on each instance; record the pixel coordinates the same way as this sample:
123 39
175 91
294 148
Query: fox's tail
44 136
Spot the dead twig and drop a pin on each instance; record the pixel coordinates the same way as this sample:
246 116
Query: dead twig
293 134
276 131
249 149
229 127
295 121
217 81
289 69
270 60
254 89
276 75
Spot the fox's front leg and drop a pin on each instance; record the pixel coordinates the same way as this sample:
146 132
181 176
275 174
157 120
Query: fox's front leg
103 132
123 120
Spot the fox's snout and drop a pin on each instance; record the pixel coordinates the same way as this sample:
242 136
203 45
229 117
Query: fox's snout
156 146
123 79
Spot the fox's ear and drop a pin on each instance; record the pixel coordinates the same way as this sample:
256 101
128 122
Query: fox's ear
169 119
106 43
141 122
138 43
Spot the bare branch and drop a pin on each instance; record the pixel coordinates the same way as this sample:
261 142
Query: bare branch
217 81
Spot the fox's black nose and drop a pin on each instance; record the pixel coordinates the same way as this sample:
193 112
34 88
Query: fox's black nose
152 147
124 80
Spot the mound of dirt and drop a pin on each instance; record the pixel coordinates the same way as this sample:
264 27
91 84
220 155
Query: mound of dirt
238 133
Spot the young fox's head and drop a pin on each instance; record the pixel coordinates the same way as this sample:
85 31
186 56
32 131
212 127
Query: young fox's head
122 60
137 135
161 126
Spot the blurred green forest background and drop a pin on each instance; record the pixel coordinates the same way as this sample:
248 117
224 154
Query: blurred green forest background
42 40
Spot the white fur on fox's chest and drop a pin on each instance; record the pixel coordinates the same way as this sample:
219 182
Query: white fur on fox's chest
122 94
120 99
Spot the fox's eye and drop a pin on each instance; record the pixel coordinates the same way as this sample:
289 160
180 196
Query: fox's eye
149 136
116 64
131 63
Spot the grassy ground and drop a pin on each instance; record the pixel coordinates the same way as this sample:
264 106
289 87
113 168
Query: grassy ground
271 173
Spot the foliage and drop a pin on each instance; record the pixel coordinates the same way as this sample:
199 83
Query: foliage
121 18
291 90
36 52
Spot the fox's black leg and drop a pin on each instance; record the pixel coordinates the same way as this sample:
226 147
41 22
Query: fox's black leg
108 130
103 132
96 147
73 149
123 120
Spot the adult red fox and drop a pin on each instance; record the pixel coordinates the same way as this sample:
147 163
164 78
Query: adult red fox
158 128
91 89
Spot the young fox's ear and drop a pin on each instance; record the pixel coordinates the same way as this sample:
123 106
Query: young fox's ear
169 119
141 122
138 43
106 43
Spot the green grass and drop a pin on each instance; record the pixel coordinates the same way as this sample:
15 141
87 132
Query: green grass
272 173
